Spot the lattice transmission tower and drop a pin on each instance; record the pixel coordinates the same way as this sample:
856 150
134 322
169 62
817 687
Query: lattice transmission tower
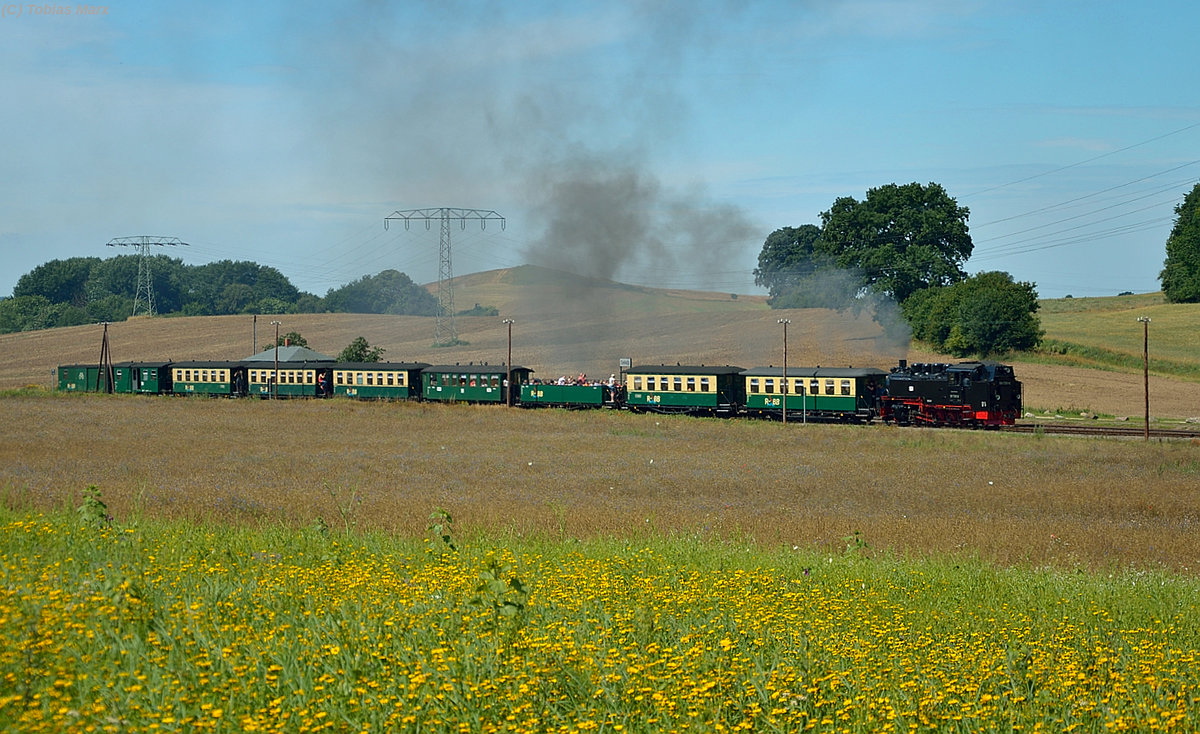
446 330
145 284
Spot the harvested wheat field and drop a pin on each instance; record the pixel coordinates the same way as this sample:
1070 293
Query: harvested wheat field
1007 498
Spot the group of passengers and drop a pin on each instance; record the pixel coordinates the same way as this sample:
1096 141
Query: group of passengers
581 379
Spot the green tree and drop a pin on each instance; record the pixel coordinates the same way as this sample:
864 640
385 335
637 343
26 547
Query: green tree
233 298
390 292
900 239
308 303
988 313
118 276
1180 276
290 339
59 281
271 305
227 287
360 351
23 313
788 257
110 308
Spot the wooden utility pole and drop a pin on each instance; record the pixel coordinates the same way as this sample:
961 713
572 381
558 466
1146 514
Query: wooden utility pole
1146 367
508 398
785 323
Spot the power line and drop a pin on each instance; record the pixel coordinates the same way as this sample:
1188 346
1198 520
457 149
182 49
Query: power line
1083 162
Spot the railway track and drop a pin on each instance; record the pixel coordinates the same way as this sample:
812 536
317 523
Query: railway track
1067 429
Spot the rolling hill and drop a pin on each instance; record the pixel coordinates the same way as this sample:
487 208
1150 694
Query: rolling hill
567 324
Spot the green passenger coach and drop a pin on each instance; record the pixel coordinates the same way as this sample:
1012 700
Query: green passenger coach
817 393
149 378
696 390
291 380
81 378
378 380
471 383
226 379
565 396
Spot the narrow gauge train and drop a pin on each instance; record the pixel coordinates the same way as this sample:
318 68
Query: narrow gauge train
968 394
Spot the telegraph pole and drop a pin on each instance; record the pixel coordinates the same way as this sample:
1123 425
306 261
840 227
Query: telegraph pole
785 322
446 331
1146 367
508 401
105 372
275 379
145 285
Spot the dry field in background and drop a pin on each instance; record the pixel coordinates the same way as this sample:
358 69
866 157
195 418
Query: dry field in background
573 326
1012 499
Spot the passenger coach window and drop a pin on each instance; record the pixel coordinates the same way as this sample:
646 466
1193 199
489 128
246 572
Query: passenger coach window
829 388
814 388
770 383
704 384
753 384
637 383
845 387
679 384
649 383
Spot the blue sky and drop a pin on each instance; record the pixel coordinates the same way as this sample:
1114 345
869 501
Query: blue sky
652 142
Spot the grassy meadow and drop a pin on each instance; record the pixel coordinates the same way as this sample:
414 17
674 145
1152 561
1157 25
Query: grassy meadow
149 625
1104 333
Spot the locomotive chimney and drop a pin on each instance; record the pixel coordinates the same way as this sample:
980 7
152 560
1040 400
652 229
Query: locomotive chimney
903 364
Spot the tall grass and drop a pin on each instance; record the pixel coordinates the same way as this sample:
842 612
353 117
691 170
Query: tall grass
1011 499
190 627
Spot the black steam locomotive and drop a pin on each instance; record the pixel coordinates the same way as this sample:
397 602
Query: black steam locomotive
968 394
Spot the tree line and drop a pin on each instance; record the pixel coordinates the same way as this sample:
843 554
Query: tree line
84 290
905 244
908 243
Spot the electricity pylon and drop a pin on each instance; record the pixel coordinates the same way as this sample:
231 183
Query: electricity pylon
446 331
145 287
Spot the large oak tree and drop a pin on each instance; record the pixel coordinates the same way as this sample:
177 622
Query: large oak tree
899 239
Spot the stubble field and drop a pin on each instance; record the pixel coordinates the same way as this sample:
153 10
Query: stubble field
1011 499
